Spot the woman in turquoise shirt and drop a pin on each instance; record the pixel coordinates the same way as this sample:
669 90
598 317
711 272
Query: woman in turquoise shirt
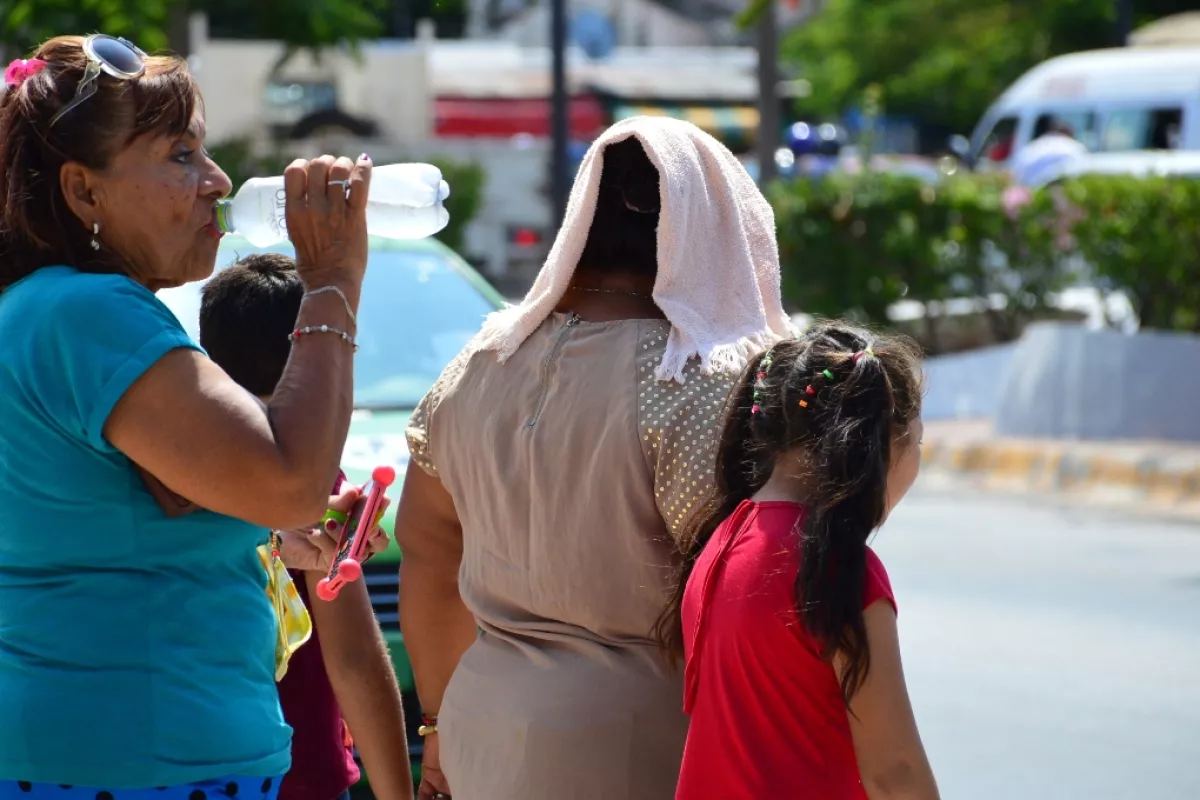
137 647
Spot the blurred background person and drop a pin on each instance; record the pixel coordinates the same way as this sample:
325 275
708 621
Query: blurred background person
1046 154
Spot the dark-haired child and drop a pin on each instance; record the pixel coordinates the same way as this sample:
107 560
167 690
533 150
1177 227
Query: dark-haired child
344 670
793 676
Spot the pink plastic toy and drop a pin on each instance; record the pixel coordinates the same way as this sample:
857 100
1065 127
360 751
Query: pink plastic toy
356 534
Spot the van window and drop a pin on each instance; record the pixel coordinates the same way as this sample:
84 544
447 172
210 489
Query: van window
1143 129
1081 123
998 144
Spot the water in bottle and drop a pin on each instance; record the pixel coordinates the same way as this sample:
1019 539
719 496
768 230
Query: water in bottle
405 201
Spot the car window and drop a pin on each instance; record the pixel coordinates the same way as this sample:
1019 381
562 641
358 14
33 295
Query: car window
997 146
417 311
1082 124
1142 129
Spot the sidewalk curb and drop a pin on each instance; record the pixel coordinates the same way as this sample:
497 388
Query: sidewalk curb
1139 476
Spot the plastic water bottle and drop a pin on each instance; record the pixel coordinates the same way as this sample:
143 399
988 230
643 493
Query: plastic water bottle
405 202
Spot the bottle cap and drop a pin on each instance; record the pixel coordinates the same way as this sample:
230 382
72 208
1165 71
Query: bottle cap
223 216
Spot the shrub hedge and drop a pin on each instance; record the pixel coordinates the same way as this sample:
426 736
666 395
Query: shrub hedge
856 244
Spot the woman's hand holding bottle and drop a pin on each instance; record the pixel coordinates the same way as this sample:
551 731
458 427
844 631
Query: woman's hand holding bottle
326 212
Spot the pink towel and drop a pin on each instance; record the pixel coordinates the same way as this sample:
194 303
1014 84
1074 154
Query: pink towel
718 262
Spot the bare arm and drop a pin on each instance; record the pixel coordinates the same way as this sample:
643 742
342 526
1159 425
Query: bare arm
189 425
360 671
437 626
891 758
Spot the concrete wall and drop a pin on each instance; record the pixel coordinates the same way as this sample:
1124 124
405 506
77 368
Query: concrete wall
1065 381
389 85
966 385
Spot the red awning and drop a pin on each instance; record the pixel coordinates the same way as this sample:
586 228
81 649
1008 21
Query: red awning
502 118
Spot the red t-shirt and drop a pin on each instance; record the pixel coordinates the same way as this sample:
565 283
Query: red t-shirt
767 716
322 755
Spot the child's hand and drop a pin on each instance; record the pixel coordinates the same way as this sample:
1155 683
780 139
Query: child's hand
314 549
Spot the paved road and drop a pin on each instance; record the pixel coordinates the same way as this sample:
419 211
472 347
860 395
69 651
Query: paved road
1053 653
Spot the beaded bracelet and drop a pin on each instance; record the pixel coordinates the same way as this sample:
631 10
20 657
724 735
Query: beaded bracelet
296 334
428 726
339 293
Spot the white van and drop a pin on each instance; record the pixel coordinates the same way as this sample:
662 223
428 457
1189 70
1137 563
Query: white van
1114 100
1138 163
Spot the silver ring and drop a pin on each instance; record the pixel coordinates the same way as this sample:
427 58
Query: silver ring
344 184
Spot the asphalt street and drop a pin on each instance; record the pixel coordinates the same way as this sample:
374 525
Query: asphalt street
1052 652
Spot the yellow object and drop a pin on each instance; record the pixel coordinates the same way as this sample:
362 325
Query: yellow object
426 730
294 626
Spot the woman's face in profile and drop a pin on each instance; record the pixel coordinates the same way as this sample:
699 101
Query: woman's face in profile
157 198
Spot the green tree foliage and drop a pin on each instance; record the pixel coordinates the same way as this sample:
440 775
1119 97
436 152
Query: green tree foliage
450 17
944 61
26 23
302 24
1141 235
855 245
941 61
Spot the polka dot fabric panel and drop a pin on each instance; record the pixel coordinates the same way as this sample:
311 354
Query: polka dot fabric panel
228 788
679 426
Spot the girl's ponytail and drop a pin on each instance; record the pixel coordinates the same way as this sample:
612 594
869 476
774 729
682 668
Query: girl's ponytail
849 459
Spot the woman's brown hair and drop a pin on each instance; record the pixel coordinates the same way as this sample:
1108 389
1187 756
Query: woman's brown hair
845 427
37 228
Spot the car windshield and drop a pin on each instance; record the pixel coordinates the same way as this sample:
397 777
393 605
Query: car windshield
418 309
417 312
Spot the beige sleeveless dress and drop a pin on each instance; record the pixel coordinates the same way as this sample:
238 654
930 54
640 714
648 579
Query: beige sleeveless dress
571 469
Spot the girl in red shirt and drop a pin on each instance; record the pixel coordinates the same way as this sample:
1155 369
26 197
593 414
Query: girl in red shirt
792 661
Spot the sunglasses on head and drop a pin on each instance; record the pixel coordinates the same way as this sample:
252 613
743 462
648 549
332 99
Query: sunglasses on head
109 55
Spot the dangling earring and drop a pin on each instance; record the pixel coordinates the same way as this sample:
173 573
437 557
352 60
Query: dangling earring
95 234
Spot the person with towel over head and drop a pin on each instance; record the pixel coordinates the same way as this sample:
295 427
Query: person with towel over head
560 455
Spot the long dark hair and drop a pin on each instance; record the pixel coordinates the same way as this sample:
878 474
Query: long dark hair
843 436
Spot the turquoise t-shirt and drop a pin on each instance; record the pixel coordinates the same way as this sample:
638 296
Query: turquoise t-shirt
135 650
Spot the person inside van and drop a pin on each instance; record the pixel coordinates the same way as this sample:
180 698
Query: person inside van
1000 151
1034 162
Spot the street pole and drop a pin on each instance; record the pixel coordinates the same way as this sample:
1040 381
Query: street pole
178 29
768 94
559 130
1124 21
402 19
